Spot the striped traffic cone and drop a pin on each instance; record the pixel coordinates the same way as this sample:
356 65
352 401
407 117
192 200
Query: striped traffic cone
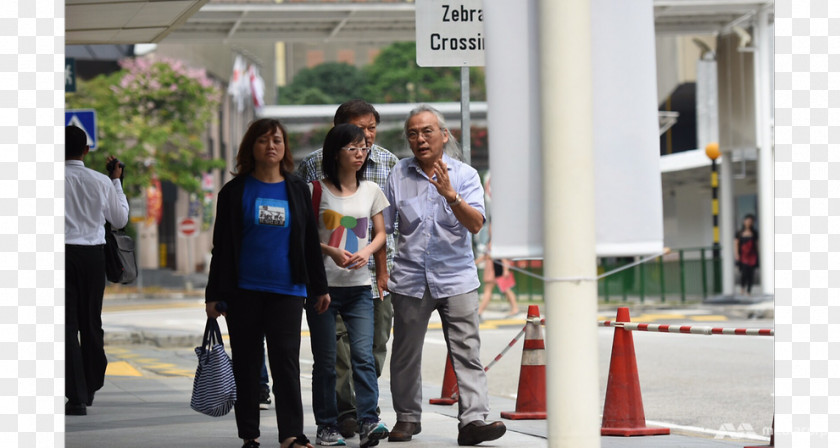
530 399
449 390
624 414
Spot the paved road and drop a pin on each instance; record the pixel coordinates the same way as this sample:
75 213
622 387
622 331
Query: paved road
693 383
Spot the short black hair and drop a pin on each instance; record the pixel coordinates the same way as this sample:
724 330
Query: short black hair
75 142
338 137
352 109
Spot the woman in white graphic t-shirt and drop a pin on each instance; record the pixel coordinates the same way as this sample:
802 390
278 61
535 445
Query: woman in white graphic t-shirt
346 205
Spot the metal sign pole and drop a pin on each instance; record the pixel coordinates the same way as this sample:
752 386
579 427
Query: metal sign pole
139 259
190 264
465 114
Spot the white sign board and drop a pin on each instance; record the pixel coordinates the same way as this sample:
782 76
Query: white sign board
449 33
628 183
188 227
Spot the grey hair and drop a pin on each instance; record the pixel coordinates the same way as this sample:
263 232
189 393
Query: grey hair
450 148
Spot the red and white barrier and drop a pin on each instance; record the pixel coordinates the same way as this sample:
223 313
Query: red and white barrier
687 329
509 346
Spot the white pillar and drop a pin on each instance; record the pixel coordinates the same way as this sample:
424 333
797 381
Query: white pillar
569 223
465 115
764 142
726 222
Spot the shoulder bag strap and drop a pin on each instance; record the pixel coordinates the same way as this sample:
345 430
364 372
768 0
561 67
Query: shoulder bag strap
316 197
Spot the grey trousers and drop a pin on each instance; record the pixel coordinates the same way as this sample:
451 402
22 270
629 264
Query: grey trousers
460 329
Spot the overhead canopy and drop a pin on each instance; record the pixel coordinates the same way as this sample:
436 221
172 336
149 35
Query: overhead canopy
150 21
90 22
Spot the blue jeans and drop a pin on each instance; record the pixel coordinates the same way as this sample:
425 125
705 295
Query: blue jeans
355 304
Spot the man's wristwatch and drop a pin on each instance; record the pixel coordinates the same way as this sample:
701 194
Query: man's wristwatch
456 201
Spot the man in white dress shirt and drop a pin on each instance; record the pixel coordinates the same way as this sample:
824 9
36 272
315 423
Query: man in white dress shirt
90 199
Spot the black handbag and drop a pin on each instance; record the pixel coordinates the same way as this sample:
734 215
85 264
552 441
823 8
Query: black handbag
120 261
214 387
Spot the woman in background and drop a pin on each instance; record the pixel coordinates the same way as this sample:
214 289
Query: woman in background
746 253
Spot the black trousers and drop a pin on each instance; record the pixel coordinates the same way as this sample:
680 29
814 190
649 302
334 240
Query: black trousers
84 346
251 316
747 275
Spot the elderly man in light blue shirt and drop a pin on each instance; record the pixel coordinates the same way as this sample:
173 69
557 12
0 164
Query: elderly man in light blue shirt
440 201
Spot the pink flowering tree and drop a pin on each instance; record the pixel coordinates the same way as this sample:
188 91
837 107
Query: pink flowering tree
153 115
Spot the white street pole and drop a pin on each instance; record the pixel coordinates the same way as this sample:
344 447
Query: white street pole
727 224
569 223
465 114
761 68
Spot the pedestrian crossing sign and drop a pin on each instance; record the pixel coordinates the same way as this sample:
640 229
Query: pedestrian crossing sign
84 119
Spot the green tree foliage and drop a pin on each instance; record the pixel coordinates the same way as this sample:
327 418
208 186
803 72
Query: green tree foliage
328 83
395 77
152 115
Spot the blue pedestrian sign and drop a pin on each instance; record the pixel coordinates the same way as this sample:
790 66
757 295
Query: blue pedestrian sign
69 75
85 119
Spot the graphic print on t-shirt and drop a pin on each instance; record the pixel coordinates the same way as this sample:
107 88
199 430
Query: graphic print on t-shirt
338 223
271 212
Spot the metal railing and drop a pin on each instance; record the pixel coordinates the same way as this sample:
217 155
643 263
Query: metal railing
682 275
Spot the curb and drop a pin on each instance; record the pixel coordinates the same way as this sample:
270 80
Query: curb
157 339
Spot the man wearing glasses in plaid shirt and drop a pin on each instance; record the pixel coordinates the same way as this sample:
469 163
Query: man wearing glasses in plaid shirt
363 115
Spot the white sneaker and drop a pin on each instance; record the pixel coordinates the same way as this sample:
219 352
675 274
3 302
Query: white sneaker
371 432
328 435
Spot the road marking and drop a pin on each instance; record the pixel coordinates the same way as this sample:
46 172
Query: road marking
121 368
150 306
710 318
650 317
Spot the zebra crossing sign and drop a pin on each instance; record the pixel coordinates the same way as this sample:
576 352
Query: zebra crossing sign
84 119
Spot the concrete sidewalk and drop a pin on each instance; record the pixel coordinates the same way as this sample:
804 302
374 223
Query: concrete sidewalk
144 412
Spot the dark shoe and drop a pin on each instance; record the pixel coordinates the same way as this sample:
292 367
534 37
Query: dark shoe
403 431
478 431
90 398
300 440
75 409
251 444
347 427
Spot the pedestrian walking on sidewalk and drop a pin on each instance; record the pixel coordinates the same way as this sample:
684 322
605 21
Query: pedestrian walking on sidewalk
379 164
497 273
440 202
266 261
91 199
746 253
345 204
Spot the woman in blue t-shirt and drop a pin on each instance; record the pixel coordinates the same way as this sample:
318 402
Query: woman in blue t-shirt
266 260
346 205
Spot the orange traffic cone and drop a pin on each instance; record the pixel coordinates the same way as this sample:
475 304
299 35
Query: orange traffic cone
449 390
530 399
624 414
772 437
